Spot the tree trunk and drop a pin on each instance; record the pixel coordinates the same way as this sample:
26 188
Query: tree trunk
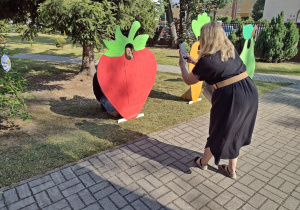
88 62
169 16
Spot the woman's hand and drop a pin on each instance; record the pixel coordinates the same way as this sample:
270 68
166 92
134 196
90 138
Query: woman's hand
191 60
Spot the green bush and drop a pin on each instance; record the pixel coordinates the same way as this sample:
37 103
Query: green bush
60 42
12 93
278 42
232 37
5 26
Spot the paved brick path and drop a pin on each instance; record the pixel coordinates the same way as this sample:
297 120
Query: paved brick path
157 171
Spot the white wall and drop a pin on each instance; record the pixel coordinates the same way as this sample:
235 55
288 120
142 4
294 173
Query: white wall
289 7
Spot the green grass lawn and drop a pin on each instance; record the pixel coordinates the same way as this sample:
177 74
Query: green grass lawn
45 44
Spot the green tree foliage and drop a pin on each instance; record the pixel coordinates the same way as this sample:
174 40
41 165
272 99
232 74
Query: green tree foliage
60 42
224 19
5 26
83 21
278 42
258 10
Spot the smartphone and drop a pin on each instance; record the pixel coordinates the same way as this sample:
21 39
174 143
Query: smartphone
183 50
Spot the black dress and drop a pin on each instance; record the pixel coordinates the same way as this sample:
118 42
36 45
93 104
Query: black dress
234 107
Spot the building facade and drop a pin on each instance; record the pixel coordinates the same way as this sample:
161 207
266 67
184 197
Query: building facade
290 8
238 8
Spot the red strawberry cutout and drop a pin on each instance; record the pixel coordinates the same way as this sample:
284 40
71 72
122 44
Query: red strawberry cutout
127 83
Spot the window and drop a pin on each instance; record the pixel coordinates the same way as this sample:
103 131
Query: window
253 0
240 1
227 11
239 11
251 10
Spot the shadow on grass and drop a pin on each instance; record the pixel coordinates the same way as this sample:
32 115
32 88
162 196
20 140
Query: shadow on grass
79 107
164 96
179 79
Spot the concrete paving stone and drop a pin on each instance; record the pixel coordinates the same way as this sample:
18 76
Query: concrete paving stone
247 207
54 194
258 177
246 179
42 187
295 194
104 192
218 188
182 204
39 181
257 200
223 197
289 176
86 197
128 189
130 161
128 207
271 195
96 176
147 186
276 182
81 171
97 187
234 203
134 169
287 187
207 191
154 181
95 206
247 167
139 175
72 190
195 181
125 178
115 182
139 205
118 200
200 202
69 183
291 203
153 205
238 193
269 204
183 184
75 202
265 165
96 162
86 180
57 177
168 177
276 191
292 167
191 195
243 188
42 199
157 150
159 192
149 167
150 152
68 173
167 198
214 205
175 188
31 207
21 203
23 191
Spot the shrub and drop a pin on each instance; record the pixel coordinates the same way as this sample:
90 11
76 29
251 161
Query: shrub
12 93
224 19
60 42
278 42
5 26
232 37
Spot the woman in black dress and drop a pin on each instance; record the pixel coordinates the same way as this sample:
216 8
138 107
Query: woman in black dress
234 101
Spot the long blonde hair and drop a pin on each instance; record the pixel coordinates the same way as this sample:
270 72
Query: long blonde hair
214 39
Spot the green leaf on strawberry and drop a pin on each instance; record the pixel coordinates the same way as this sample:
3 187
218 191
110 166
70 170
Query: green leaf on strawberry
116 48
197 24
